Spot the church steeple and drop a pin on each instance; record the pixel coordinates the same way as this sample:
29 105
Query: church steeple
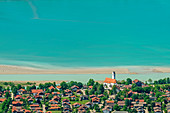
113 75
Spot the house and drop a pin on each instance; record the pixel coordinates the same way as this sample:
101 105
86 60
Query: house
101 95
109 103
53 102
96 100
137 82
59 88
51 88
88 104
130 93
2 100
153 98
75 105
84 97
66 105
68 110
54 108
22 91
121 103
74 88
37 97
109 82
107 109
92 96
128 86
138 106
17 103
36 91
57 98
85 87
158 104
30 101
34 106
27 111
157 110
68 92
90 87
17 110
73 97
56 93
140 110
18 97
82 109
78 92
128 99
65 100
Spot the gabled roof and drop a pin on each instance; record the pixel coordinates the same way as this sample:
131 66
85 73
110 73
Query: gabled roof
59 87
109 80
36 90
107 101
17 102
95 99
76 104
2 99
51 87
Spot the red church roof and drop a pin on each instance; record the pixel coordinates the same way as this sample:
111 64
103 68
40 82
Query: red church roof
109 80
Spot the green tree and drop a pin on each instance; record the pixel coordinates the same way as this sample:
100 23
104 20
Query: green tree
127 102
86 92
96 107
150 80
124 108
7 95
19 86
90 82
80 85
64 85
100 89
116 107
128 81
114 89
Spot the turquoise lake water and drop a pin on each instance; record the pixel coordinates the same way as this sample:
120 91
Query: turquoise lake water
81 77
85 33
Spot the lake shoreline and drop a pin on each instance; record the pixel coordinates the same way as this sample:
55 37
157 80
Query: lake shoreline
11 69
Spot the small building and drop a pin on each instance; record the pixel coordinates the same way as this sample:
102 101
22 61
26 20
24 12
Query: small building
109 82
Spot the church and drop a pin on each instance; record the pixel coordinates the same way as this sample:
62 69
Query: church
109 82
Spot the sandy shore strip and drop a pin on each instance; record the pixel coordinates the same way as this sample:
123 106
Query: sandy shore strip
7 69
161 70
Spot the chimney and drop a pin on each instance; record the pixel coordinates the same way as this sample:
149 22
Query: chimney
113 75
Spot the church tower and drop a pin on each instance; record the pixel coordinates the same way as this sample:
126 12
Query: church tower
113 75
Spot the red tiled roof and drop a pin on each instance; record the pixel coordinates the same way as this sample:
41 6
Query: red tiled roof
90 87
34 105
36 90
51 87
109 80
76 104
128 98
53 108
2 99
107 101
16 102
135 81
95 99
59 87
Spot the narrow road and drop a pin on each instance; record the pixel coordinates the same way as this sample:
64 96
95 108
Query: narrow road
12 95
44 110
